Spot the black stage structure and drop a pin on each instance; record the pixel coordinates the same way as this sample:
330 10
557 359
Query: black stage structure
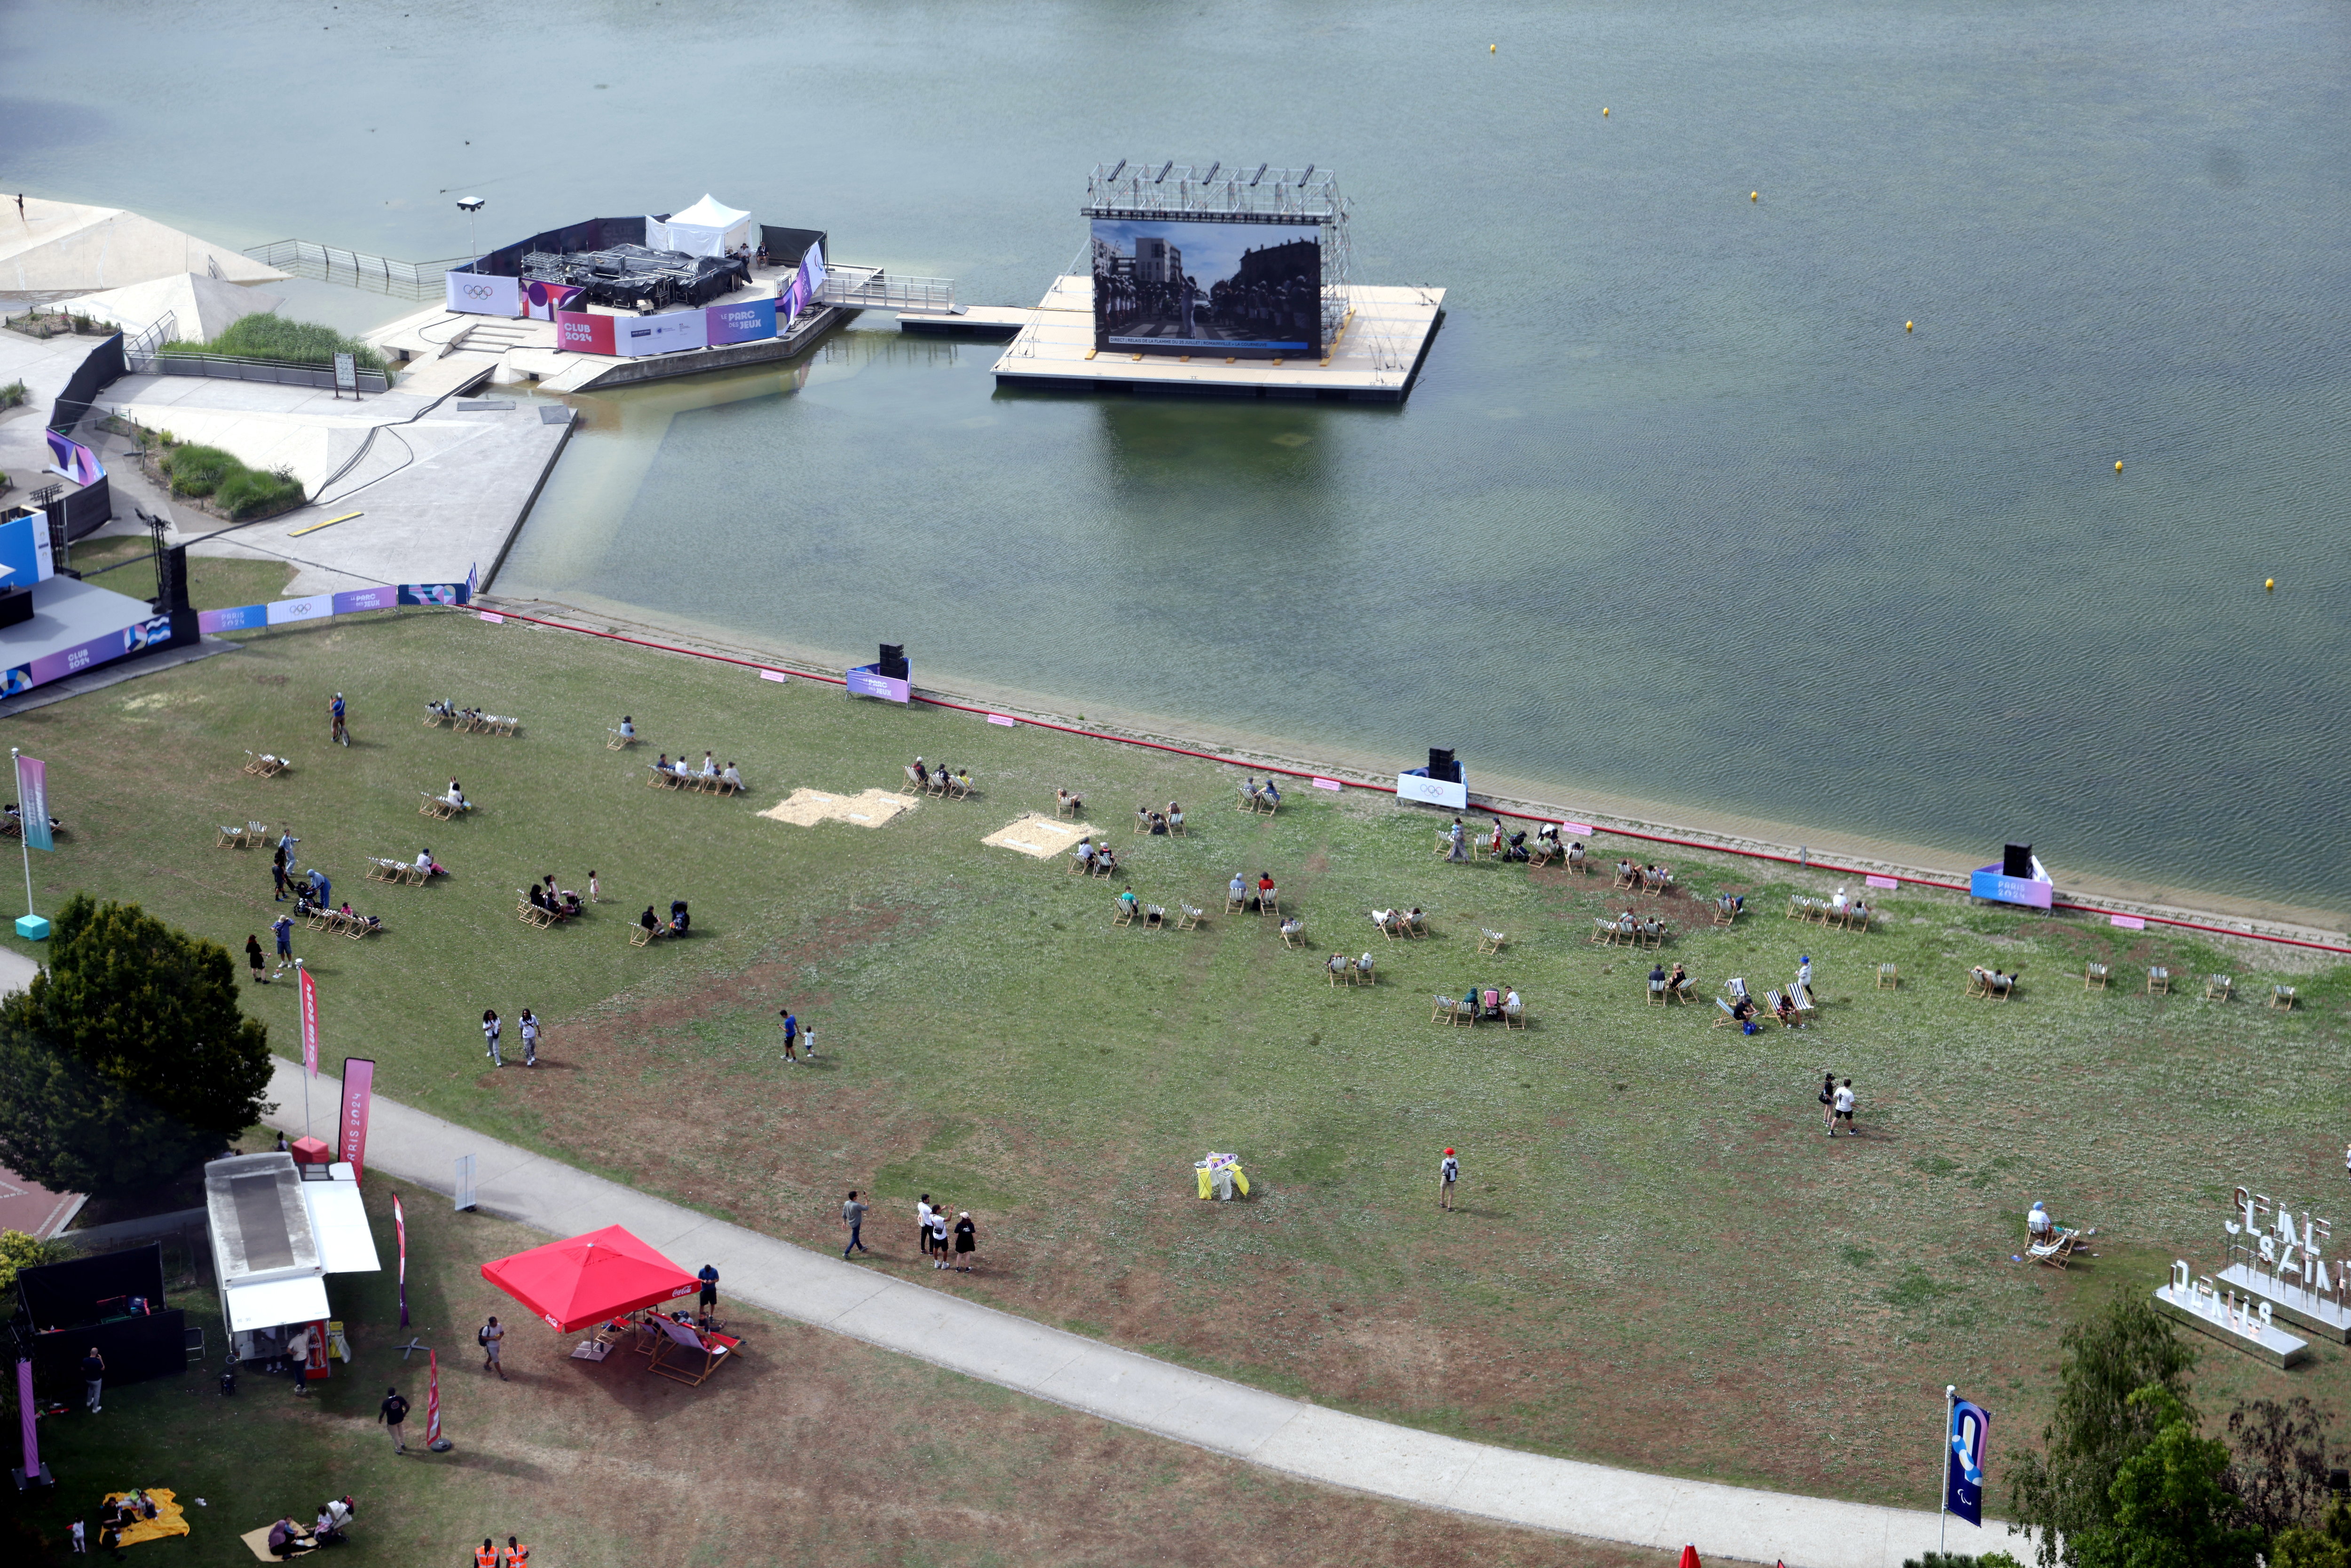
609 259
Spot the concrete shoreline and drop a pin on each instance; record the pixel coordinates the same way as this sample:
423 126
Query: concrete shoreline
2288 937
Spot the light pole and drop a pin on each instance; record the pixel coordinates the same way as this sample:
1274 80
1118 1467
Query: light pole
470 206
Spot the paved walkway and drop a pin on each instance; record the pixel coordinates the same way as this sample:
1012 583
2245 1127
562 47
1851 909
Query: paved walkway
1284 1435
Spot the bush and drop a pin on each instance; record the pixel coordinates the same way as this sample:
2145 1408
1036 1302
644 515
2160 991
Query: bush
265 336
12 394
248 493
200 470
19 1252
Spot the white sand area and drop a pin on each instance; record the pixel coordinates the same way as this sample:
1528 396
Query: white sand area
1040 837
807 808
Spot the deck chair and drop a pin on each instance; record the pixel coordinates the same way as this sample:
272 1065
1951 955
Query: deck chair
1604 933
1189 920
913 784
530 914
1126 912
1724 1018
2055 1251
1857 917
1540 854
615 741
959 789
1415 929
1769 1012
434 718
1445 1007
1977 984
1234 903
1341 972
383 870
1628 876
1080 867
1064 806
1796 903
2159 981
230 838
264 765
319 919
938 786
1268 902
1515 1017
435 807
640 937
1725 912
1444 846
498 726
1805 1008
2282 998
2094 977
1290 939
687 1355
1142 822
2004 987
1650 934
1889 977
2218 988
411 874
1393 926
1490 941
360 928
1155 917
1657 992
1578 864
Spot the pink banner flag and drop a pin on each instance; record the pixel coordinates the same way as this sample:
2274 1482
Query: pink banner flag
1873 880
400 1229
27 1409
2128 922
1586 829
1328 784
433 1398
309 1026
359 1090
1004 719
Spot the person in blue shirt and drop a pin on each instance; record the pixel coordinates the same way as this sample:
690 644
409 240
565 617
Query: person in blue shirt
709 1278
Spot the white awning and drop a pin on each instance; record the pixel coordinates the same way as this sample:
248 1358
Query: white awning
338 1223
706 228
271 1303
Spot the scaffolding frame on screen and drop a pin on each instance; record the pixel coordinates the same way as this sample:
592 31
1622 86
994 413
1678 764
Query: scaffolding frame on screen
1236 194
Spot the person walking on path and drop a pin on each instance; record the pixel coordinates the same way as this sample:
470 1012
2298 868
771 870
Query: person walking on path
939 1236
853 1217
791 1036
967 1243
1843 1113
490 1027
1828 1102
341 733
709 1278
252 956
1448 1171
391 1413
529 1027
93 1377
493 1341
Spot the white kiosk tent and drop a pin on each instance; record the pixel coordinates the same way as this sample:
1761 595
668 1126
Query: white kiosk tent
275 1237
705 228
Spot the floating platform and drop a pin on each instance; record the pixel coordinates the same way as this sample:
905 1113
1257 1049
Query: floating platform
967 321
2202 1311
1375 358
2322 1315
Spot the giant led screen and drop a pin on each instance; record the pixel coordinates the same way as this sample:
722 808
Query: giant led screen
1242 290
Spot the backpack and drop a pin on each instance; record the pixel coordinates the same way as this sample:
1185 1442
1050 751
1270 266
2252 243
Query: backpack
482 1337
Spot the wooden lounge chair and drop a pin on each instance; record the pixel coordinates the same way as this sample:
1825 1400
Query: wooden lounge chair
360 928
1978 984
437 808
1445 1009
2002 988
230 838
1340 969
434 718
2094 977
1234 903
1292 938
1064 805
2282 998
1393 926
530 914
383 870
1490 941
321 920
2055 1252
1658 991
1649 934
1727 913
1415 927
1796 903
1769 1012
1190 917
1889 977
411 874
1359 976
1604 933
640 937
266 766
2219 987
1628 876
2159 980
913 784
496 725
616 741
688 1355
937 784
1514 1016
1858 917
959 789
1578 864
1542 853
1724 1018
1805 1008
1269 901
1125 912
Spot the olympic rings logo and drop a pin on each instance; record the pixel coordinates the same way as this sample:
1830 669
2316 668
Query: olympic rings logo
477 291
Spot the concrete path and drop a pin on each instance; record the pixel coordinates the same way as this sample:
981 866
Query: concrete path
1284 1435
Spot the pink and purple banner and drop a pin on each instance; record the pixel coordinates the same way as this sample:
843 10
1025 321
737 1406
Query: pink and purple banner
744 321
56 667
865 682
319 607
541 301
32 803
310 1027
579 332
359 1093
27 1409
74 461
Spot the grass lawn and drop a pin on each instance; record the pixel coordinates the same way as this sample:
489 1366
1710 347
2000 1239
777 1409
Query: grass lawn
1654 1238
812 1448
213 582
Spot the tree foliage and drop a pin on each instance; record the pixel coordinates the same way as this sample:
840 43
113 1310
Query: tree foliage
19 1252
2280 1474
2065 1492
2172 1505
2328 1545
127 1060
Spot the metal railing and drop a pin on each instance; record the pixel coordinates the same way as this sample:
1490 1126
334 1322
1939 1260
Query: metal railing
230 367
380 273
139 349
871 289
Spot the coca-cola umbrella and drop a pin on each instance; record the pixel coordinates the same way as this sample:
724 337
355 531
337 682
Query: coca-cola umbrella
571 1284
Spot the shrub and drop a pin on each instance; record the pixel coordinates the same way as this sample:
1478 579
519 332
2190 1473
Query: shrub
19 1252
266 337
250 493
200 470
12 394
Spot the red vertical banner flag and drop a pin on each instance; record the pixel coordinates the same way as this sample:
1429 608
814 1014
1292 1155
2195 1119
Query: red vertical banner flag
309 1026
399 1230
433 1398
359 1090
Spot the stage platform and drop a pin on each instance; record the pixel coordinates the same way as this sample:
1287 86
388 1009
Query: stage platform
1376 357
69 615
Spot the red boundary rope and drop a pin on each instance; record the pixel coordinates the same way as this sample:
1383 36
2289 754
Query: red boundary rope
1390 789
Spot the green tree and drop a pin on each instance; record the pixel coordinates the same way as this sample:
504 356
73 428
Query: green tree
127 1060
19 1252
2172 1505
2067 1491
2327 1546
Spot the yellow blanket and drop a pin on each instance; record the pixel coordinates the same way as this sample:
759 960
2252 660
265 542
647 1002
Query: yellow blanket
168 1520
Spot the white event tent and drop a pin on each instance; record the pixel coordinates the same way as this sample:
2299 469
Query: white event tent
705 228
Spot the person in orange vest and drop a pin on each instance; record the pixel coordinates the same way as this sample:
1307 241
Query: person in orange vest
517 1554
487 1557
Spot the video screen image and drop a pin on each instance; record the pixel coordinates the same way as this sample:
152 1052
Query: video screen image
1235 290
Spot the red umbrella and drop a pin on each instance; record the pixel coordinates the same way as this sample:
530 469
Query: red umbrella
571 1284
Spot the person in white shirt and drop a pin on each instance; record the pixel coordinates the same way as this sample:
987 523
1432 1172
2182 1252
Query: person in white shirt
456 797
1844 1111
1805 978
2038 1226
1380 917
627 727
733 777
922 1224
1837 902
426 863
709 768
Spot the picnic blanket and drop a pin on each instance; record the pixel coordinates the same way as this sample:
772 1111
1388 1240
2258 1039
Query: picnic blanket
168 1520
258 1541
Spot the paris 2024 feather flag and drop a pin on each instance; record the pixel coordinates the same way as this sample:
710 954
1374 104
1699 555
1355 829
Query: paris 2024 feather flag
1963 1475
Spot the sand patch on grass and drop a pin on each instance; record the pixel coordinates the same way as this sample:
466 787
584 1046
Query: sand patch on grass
1040 837
807 808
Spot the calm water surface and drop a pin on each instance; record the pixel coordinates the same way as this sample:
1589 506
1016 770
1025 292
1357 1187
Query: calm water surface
1679 510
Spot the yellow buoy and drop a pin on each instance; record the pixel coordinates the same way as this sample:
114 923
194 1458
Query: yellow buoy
1604 112
2269 585
1754 196
1490 48
2118 466
1907 325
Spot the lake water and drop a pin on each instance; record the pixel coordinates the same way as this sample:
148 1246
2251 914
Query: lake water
1678 510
